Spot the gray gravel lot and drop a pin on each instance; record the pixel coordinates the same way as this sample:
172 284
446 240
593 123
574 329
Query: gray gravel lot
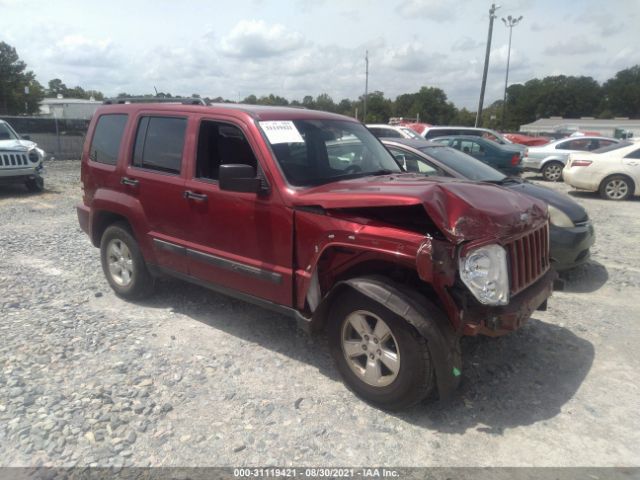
191 377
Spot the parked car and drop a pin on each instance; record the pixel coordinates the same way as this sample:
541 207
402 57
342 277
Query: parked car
434 132
506 158
551 158
306 213
21 161
571 233
612 171
392 131
526 140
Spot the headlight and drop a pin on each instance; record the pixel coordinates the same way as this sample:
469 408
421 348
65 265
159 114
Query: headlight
559 218
484 271
33 156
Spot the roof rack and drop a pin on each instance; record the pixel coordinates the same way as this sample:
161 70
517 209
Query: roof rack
183 101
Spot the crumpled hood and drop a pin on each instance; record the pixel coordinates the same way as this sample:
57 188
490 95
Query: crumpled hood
462 210
16 145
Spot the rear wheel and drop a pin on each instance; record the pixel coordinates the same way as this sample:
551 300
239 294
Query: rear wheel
552 171
35 184
616 187
382 358
123 264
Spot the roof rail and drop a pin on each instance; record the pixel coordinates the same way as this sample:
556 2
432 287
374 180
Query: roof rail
183 101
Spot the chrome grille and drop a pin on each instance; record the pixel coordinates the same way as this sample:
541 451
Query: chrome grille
528 259
13 159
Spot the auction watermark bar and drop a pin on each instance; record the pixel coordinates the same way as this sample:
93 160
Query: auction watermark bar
364 473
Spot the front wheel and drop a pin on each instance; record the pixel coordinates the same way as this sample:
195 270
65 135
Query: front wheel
123 264
382 358
35 184
552 171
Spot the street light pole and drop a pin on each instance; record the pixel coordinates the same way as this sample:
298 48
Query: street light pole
366 86
492 15
509 22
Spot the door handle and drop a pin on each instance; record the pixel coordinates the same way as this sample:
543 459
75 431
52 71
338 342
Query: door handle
198 197
129 181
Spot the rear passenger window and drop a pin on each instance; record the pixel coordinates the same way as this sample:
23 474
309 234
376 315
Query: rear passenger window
107 137
159 144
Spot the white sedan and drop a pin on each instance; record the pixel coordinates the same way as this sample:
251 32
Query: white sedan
551 158
381 130
614 172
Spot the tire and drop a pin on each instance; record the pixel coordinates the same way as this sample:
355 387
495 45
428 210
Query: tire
35 184
123 264
372 374
616 187
552 171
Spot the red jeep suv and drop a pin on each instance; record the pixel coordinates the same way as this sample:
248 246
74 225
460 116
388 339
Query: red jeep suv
306 213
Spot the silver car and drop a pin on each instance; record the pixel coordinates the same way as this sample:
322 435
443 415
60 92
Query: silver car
551 158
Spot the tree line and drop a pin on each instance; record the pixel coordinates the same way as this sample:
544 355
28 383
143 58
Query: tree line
560 95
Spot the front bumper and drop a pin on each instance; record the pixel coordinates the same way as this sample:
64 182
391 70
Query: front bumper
13 172
570 246
496 321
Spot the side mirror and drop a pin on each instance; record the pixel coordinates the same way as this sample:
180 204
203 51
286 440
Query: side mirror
237 177
25 137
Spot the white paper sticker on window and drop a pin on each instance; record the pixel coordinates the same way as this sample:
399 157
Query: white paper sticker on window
281 131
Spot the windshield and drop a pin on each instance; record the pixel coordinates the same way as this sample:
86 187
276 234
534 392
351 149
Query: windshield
464 164
613 146
6 132
313 152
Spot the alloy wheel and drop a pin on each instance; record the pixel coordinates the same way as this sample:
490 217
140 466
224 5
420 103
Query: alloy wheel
616 189
120 262
370 348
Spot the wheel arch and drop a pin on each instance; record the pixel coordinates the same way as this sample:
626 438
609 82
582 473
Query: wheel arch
443 342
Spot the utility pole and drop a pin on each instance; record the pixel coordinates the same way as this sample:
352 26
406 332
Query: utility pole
492 15
510 22
366 86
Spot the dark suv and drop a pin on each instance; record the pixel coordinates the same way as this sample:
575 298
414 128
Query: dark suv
306 213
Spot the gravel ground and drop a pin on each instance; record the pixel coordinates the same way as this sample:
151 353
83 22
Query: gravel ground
191 377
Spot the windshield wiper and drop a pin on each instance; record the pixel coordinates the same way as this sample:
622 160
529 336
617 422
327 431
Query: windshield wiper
382 171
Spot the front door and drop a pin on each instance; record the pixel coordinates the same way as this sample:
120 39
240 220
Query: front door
241 241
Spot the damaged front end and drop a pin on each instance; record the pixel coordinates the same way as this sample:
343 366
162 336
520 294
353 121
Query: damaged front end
480 252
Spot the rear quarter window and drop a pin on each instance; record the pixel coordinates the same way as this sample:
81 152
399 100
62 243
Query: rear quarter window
107 138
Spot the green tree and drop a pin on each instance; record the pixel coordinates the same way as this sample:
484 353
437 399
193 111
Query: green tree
56 87
622 93
14 79
430 104
379 109
325 102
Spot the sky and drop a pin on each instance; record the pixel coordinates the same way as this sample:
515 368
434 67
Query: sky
307 47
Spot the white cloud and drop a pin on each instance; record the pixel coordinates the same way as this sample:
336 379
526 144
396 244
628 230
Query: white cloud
79 51
254 39
465 44
430 9
573 46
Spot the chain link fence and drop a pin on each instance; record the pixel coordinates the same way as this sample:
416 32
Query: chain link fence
61 138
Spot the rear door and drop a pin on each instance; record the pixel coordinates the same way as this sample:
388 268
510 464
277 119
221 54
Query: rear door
155 176
241 241
631 162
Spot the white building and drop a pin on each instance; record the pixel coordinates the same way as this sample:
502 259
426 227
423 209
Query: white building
78 108
605 127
